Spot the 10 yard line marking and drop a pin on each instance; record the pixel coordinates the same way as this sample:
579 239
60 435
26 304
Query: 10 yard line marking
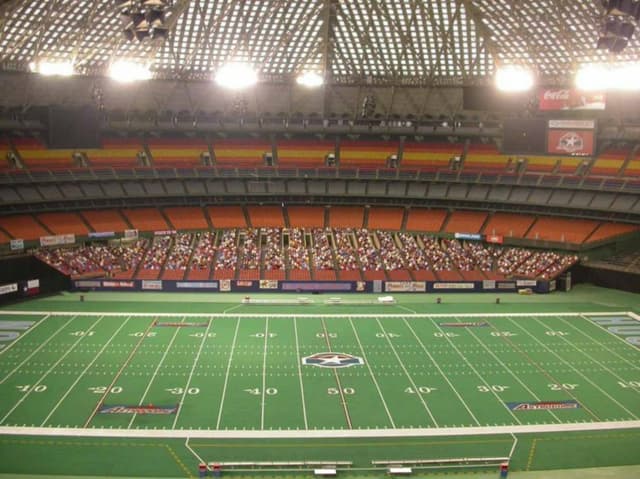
46 316
364 356
193 368
415 387
53 366
84 372
155 372
264 371
601 329
298 360
226 376
37 349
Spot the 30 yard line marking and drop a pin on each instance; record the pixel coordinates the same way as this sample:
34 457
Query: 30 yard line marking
193 368
484 381
37 349
298 360
415 386
575 370
445 377
264 371
53 366
155 372
226 375
2 351
373 376
95 358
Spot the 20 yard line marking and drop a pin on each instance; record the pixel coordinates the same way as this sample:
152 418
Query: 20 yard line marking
226 376
264 371
155 372
193 368
298 360
95 358
53 366
373 376
37 349
415 387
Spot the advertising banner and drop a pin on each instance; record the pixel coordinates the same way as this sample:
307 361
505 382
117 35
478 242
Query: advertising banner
17 244
507 285
454 286
570 142
405 286
496 239
268 284
118 284
102 234
573 124
316 286
164 233
526 282
155 285
468 236
197 284
225 285
57 240
556 99
488 284
8 288
87 284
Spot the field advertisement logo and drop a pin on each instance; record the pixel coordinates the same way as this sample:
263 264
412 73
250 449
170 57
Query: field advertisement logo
543 405
150 409
332 360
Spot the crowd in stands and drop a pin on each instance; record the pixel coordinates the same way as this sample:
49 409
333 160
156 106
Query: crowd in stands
340 249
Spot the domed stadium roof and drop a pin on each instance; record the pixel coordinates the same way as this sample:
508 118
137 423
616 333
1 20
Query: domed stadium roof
351 41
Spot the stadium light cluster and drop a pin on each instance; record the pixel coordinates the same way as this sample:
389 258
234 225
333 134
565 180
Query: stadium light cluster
513 78
125 71
607 77
310 79
618 24
52 68
236 76
143 18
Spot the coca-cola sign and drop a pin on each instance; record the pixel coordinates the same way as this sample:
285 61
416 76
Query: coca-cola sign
551 99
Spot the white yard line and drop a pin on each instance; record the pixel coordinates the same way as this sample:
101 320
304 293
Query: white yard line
513 447
226 376
193 368
373 376
484 381
568 364
264 371
444 376
48 371
406 309
38 323
415 387
155 372
200 460
317 433
37 349
506 368
231 308
619 338
95 358
299 361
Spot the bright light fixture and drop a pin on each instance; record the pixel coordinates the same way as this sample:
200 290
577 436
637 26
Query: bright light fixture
49 68
514 78
608 77
125 71
310 79
236 76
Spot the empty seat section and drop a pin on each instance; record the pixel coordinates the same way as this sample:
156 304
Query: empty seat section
346 217
610 230
227 216
116 152
465 222
303 153
35 154
508 224
105 220
632 169
146 219
569 165
187 218
64 223
399 275
429 156
385 218
609 162
240 152
306 216
4 238
562 230
543 164
372 154
421 219
266 216
424 275
485 157
177 151
23 227
4 151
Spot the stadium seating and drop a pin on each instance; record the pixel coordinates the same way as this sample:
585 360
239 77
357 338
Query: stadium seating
372 154
266 216
309 154
562 230
485 158
146 219
203 256
632 169
63 223
346 217
240 153
610 230
465 221
178 152
4 238
4 151
23 227
385 218
35 155
419 219
609 162
541 164
115 153
430 156
227 216
105 220
306 216
187 218
508 224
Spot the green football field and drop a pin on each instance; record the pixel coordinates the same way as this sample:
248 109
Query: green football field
208 380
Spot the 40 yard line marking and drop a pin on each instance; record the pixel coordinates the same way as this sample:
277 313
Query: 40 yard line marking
226 376
95 358
298 360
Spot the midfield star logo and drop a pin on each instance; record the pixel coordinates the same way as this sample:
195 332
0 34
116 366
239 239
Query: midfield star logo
332 360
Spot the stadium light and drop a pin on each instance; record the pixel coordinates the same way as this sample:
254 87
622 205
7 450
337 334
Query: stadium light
607 77
514 79
125 71
236 76
51 68
310 79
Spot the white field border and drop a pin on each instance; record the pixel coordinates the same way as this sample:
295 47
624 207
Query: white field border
319 433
